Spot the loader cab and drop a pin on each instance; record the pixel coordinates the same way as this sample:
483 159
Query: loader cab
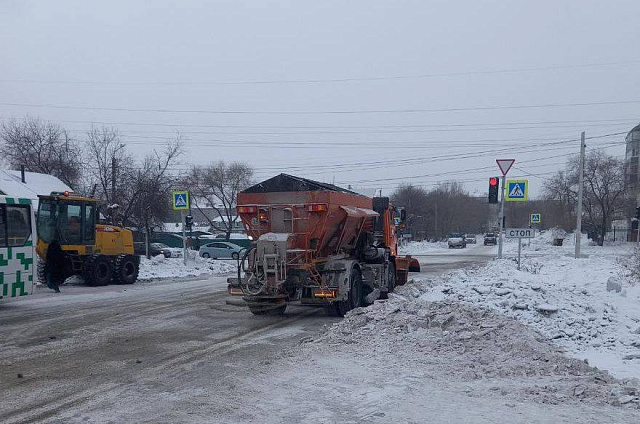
67 218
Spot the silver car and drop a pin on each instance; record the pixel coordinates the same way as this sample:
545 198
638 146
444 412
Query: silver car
220 250
457 240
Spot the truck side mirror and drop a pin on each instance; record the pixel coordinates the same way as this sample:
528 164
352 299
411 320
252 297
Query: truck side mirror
403 215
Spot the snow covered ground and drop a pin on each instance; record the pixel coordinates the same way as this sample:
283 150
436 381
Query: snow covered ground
161 267
424 247
590 306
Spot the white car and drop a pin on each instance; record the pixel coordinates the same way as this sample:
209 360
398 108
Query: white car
457 240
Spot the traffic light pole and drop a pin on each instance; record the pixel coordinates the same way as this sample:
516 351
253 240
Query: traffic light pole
184 239
501 215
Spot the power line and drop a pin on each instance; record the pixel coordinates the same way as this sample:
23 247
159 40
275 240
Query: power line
481 168
364 143
322 80
454 125
321 112
403 131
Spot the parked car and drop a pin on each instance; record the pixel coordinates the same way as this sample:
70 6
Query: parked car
168 239
470 238
155 249
457 240
220 250
238 239
490 238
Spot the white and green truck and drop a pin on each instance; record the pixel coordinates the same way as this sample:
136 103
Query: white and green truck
17 247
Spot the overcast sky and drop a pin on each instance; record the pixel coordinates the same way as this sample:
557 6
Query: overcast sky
368 93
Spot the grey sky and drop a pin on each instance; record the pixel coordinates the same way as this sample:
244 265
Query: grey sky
180 57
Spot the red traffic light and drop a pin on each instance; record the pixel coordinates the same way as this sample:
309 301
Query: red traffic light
493 181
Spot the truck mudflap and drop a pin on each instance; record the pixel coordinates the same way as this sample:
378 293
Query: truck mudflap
405 265
233 287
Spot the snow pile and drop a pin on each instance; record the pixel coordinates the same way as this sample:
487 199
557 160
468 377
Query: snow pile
589 306
161 267
422 247
471 343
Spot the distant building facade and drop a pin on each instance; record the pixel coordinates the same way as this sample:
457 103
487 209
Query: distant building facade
631 161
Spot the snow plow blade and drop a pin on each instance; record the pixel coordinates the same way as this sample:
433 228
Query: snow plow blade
405 265
414 265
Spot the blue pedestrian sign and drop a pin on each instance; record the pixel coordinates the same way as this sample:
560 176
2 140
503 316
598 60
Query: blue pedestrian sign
517 190
180 200
535 218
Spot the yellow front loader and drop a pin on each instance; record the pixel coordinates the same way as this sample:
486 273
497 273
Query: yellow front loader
99 253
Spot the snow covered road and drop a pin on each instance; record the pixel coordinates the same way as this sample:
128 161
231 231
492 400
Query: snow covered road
173 351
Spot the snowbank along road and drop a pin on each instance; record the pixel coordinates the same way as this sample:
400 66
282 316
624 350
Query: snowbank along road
174 351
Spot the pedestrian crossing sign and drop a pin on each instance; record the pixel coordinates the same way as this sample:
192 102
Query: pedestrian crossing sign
535 218
517 190
180 200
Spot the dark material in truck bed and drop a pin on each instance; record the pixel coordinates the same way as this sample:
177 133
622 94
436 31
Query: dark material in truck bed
287 183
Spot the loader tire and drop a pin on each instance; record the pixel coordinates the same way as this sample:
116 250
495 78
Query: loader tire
42 276
97 271
125 269
355 299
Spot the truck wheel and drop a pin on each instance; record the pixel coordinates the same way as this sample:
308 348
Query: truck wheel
355 295
97 271
125 270
391 282
42 277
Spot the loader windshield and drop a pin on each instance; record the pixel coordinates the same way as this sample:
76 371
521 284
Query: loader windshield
71 222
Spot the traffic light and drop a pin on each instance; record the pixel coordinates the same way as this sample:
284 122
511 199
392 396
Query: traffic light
188 222
494 187
638 212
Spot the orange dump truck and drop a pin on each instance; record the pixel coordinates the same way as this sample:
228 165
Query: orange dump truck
319 245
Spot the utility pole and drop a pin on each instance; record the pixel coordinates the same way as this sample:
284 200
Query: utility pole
113 180
580 189
146 232
435 221
501 214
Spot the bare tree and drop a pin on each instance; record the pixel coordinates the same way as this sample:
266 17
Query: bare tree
146 198
216 186
604 191
414 200
105 154
446 208
136 193
42 147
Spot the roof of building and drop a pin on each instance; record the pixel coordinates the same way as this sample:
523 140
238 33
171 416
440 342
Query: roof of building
35 183
286 183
